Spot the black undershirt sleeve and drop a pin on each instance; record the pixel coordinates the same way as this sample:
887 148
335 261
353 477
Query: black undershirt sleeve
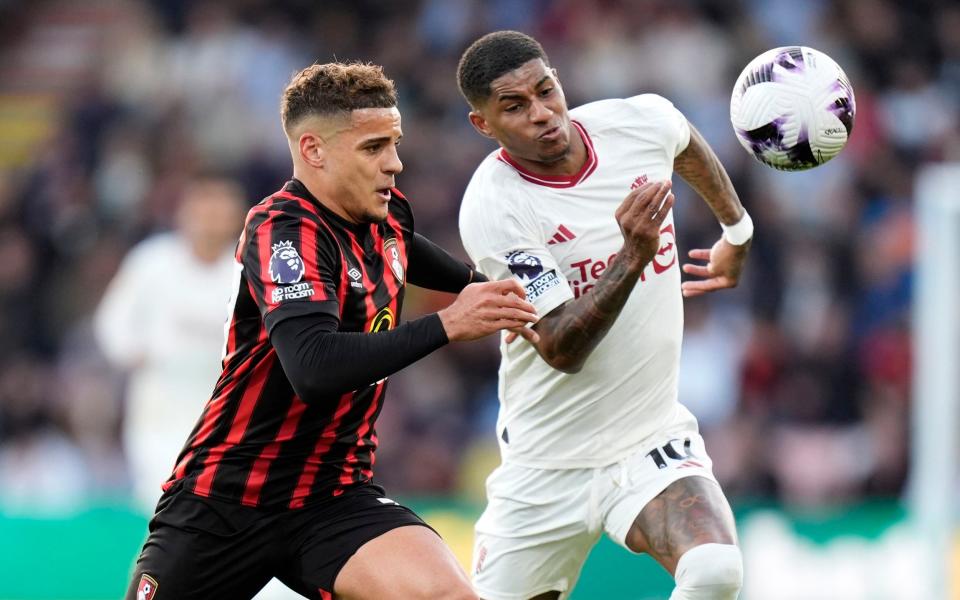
321 362
432 267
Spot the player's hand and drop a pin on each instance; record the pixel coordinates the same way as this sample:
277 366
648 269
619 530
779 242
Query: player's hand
724 264
640 216
525 332
485 308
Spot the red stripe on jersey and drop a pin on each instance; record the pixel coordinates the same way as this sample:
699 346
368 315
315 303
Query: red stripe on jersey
258 474
324 594
342 285
263 207
350 461
308 243
323 444
239 426
265 250
215 407
368 285
178 471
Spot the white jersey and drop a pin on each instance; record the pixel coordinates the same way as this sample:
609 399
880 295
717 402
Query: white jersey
557 235
161 319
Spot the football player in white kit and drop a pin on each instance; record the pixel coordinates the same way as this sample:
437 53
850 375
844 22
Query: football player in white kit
576 205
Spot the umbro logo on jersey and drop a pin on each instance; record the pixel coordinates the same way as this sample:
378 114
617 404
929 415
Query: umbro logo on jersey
562 235
355 275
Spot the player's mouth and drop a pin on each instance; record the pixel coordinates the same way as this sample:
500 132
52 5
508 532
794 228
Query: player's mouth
550 135
384 193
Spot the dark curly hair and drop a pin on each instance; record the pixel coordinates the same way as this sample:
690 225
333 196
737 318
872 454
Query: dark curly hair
335 88
490 57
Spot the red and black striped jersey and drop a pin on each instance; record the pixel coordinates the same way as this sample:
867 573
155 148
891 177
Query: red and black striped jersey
257 442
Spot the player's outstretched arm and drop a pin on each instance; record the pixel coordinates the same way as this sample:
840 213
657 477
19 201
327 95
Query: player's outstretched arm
321 362
700 167
433 268
571 331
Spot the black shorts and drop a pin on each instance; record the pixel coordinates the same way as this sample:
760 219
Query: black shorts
205 548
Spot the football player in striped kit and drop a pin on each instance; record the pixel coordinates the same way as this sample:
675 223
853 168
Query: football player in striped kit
276 478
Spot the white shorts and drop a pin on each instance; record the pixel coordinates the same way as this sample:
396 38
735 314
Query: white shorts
540 524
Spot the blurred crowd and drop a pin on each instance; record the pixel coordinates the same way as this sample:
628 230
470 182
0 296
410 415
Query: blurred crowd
110 109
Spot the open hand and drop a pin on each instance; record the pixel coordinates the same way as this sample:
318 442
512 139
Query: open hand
724 264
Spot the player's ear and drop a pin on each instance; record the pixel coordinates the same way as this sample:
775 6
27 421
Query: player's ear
312 149
480 124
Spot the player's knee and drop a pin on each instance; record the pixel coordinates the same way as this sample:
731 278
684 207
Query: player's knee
709 572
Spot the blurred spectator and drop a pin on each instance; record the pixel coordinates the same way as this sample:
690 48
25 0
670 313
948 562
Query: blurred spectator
162 321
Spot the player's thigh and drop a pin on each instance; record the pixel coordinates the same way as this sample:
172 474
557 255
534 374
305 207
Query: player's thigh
534 534
663 499
194 551
407 563
689 512
364 545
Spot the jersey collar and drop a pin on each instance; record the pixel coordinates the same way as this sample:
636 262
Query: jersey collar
558 181
294 187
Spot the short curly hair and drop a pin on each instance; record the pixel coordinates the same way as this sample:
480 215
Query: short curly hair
490 57
333 88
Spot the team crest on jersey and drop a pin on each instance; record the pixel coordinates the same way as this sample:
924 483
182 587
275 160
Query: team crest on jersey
147 588
286 266
392 253
667 254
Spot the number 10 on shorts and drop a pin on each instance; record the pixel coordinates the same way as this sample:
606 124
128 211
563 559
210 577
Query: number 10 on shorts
669 450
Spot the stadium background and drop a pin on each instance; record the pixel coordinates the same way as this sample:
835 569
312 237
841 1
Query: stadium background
801 378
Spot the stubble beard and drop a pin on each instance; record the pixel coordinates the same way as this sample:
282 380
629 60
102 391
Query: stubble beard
556 157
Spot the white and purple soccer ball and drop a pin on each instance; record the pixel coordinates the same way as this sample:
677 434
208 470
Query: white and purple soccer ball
792 108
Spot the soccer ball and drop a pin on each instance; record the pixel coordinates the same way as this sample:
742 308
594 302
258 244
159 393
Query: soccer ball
792 108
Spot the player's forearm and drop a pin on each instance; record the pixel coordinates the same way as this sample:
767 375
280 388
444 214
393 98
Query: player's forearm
571 332
321 362
433 268
699 166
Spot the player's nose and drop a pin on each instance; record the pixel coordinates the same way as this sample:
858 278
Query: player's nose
539 112
392 163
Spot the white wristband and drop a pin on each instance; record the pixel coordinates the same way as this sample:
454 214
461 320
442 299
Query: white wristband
740 232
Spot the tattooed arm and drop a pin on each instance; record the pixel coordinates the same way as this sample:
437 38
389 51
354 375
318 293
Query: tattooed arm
700 167
571 331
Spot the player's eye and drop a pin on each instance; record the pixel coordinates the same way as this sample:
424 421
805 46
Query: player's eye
546 92
512 108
